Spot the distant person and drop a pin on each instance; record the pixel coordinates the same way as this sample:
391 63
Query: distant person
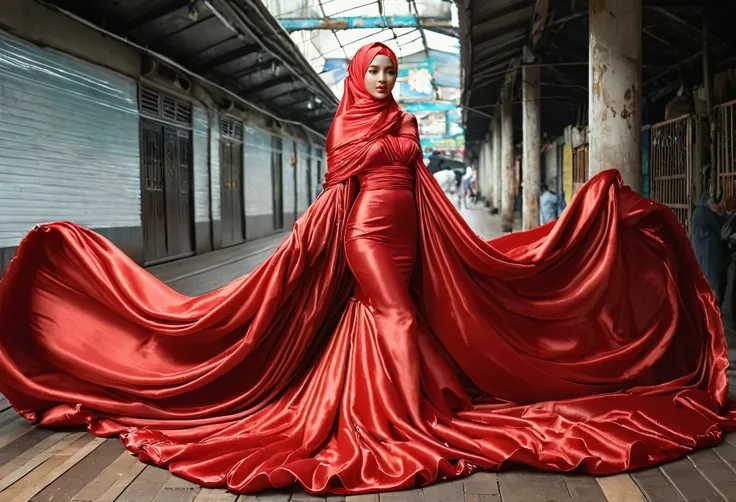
728 237
548 205
562 203
468 186
707 242
475 191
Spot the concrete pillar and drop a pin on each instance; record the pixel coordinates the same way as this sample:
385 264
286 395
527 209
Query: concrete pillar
531 165
508 172
615 89
496 147
488 174
480 165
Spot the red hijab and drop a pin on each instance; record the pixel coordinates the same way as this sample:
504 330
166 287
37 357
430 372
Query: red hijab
360 118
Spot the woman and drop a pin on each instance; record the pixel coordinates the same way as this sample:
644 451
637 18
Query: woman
383 345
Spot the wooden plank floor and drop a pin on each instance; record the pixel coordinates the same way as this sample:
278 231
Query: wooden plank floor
58 466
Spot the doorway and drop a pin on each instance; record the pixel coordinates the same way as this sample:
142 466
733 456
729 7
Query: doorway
277 182
232 191
166 177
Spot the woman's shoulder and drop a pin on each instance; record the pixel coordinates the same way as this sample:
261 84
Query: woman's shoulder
408 119
409 125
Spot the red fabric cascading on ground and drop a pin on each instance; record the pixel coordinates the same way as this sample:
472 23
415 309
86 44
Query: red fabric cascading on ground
592 343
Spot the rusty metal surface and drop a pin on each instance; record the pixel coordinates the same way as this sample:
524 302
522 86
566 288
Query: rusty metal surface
671 166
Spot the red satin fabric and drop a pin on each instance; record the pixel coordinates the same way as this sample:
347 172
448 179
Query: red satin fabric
384 344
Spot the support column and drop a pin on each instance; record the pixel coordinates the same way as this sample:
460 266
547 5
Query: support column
488 174
481 166
508 172
497 160
531 162
615 89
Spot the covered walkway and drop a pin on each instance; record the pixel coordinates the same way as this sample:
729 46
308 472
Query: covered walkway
216 109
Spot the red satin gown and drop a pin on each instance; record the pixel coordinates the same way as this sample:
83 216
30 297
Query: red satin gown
383 345
381 249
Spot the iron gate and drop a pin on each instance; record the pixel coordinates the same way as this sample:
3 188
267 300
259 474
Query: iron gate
725 149
671 166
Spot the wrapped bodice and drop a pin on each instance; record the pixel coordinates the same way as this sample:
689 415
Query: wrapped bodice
389 164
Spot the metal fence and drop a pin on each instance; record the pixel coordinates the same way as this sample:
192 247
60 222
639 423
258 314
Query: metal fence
579 167
671 166
726 149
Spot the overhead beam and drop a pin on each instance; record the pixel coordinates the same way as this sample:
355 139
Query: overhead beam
257 68
486 83
229 56
688 60
158 12
695 31
495 42
541 9
289 92
494 61
570 17
681 4
285 79
346 23
321 121
566 78
317 113
499 25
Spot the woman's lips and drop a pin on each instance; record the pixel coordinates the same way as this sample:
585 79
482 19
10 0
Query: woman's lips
380 88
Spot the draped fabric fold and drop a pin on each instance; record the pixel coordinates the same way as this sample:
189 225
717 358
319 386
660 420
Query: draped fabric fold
592 343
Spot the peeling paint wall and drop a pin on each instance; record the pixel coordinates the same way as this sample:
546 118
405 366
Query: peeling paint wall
615 90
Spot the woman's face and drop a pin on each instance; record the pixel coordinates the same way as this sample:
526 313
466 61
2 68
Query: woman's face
380 77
